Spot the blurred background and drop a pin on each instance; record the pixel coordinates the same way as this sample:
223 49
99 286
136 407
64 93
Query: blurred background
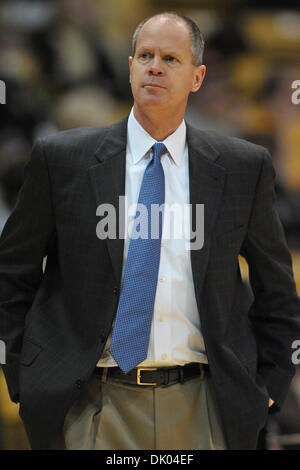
65 64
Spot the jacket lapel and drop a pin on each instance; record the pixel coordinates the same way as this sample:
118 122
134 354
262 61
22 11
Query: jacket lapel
108 182
207 180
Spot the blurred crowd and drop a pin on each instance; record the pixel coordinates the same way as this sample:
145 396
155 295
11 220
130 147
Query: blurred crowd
65 64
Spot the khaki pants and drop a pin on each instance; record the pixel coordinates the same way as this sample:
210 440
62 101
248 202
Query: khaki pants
114 416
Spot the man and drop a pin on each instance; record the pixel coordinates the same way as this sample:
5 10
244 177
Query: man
80 350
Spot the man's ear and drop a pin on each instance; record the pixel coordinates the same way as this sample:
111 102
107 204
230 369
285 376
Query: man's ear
198 78
130 59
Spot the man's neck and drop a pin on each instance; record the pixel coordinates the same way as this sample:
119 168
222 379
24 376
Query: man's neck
157 125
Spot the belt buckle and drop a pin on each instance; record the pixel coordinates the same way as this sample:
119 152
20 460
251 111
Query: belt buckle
138 378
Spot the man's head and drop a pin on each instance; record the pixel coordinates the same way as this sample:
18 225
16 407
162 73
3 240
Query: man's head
166 64
196 37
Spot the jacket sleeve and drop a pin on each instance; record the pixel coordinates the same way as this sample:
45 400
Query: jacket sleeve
275 313
23 246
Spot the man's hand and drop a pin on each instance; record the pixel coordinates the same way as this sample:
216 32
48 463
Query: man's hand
270 402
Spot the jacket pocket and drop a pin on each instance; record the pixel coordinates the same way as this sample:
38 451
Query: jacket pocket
230 230
30 351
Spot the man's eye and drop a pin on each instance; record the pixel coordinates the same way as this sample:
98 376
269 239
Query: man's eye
145 55
170 58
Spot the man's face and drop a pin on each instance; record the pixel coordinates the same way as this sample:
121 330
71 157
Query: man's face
161 72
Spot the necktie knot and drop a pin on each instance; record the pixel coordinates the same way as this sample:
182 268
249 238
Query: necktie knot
158 149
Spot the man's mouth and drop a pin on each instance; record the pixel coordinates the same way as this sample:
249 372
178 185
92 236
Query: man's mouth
152 85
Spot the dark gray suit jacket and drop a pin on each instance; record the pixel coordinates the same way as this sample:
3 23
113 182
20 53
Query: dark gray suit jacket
56 323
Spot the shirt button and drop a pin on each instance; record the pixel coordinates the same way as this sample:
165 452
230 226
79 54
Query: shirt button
161 319
164 357
162 244
78 383
162 279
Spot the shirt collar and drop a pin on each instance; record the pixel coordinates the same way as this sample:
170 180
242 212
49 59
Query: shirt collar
140 141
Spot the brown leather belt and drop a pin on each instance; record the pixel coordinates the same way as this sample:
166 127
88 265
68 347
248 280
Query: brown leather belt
154 377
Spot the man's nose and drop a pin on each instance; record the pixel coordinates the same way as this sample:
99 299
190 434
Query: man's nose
156 67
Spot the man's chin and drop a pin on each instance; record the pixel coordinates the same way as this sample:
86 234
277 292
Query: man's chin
153 101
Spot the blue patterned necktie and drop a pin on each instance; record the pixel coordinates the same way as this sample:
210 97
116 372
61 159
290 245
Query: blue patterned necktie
131 333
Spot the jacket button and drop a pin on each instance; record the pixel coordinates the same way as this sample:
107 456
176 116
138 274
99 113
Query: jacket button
102 338
116 290
78 383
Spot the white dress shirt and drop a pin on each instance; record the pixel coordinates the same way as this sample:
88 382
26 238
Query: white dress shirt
175 337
